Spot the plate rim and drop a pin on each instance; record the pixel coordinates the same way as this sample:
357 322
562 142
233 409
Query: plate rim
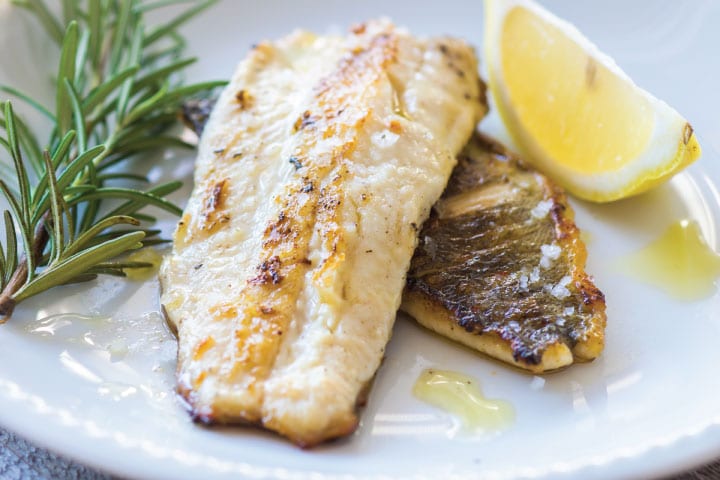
684 452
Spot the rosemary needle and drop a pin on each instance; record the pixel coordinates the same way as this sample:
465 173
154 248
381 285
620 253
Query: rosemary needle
118 89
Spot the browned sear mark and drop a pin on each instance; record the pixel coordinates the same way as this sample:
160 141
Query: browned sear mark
279 230
328 201
268 272
308 187
203 347
395 127
244 99
305 120
359 29
213 206
215 199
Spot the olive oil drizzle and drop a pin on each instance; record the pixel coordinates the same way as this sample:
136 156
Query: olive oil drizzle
680 262
148 256
461 396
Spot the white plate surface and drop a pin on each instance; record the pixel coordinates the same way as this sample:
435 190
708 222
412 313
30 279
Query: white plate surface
101 389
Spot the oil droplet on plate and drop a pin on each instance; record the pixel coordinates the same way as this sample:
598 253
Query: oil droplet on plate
461 396
75 327
680 262
145 255
118 349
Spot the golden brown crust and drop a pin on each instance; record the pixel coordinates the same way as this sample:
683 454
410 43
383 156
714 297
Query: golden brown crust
568 237
435 317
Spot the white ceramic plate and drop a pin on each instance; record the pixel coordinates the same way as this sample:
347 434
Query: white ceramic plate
100 390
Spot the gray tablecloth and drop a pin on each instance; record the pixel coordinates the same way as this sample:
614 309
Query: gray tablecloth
21 460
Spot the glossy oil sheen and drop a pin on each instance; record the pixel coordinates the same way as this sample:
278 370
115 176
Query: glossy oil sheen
461 396
145 255
680 262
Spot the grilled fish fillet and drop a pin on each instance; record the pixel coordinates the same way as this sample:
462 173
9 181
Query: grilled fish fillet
317 165
500 266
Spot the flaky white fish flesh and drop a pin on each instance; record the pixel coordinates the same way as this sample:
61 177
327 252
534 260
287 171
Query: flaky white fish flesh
318 165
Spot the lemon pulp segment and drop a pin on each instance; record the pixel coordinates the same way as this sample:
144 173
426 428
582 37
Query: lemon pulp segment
588 118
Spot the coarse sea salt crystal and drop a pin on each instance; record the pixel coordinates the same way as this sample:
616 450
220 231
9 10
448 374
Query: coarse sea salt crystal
560 290
541 209
523 282
549 254
535 275
569 311
551 251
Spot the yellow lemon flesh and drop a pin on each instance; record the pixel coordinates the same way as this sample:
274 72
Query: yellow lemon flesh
573 112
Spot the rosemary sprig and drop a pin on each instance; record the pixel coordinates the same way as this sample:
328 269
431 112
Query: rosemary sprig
118 89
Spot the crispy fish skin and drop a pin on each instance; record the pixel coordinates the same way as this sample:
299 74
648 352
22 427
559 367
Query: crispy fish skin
317 164
500 266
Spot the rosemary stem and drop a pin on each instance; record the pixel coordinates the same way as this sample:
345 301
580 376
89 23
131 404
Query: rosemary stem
7 300
17 281
118 87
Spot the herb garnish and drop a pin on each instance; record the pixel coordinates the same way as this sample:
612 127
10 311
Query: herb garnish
118 91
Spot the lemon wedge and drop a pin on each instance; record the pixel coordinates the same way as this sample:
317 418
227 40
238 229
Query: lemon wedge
573 112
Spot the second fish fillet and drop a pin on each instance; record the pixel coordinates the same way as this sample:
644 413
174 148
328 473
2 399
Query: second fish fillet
317 167
501 266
